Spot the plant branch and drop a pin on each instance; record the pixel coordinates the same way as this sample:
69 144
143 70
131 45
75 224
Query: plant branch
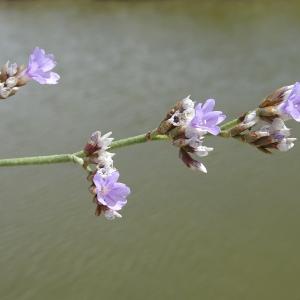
77 157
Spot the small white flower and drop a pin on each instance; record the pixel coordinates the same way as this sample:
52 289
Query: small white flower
286 144
203 151
103 142
251 118
111 214
11 82
195 133
181 118
106 170
4 91
279 125
105 159
11 69
195 142
188 114
188 103
279 134
277 128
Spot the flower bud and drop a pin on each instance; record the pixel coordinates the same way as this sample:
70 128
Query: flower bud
190 162
4 92
11 82
110 214
97 143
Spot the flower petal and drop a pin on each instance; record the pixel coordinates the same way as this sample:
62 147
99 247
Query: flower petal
209 105
214 130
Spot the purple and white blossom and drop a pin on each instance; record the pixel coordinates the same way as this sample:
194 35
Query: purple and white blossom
187 103
39 67
103 142
290 106
206 118
275 135
111 193
95 151
4 91
280 134
189 125
98 142
185 114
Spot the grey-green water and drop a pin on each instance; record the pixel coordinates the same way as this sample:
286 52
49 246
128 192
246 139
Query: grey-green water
230 235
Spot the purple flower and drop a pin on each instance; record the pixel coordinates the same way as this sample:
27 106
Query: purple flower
291 105
39 67
206 118
111 193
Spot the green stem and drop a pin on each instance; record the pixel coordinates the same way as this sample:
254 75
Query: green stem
77 156
230 124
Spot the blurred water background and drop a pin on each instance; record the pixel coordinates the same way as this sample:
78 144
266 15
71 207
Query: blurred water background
230 235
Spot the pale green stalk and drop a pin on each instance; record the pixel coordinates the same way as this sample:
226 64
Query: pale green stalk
77 156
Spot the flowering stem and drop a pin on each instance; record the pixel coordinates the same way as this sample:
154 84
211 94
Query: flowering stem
230 124
40 160
77 156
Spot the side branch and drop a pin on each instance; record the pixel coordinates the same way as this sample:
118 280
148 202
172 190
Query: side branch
36 160
77 157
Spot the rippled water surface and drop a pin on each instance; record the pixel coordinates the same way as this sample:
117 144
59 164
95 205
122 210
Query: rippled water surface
233 234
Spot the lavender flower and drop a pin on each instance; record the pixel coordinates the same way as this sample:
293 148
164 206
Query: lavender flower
111 193
187 125
290 107
39 67
207 119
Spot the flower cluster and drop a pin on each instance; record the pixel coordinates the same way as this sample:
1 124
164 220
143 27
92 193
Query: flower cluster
11 79
265 127
187 124
109 194
39 67
284 103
